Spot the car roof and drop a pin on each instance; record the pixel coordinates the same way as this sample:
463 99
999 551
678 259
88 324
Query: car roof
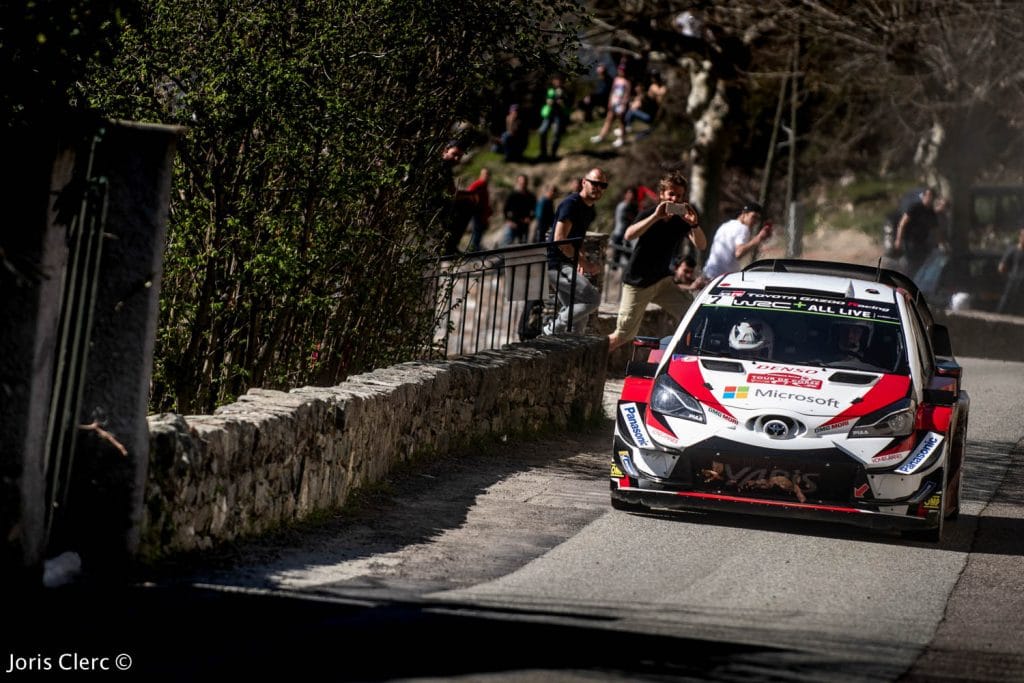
804 283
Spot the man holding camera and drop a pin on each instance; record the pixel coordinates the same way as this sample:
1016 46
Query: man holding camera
733 241
648 277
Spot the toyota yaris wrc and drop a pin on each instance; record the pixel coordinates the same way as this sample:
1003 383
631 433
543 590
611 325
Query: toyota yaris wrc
798 388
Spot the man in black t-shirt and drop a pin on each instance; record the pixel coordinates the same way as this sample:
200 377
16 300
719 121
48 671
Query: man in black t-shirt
519 208
914 233
575 293
658 232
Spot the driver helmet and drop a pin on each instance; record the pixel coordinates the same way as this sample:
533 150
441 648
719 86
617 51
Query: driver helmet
852 338
752 336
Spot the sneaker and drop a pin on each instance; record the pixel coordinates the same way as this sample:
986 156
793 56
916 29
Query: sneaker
617 143
596 139
549 327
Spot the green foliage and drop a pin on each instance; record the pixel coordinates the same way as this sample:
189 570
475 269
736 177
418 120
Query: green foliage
307 190
46 46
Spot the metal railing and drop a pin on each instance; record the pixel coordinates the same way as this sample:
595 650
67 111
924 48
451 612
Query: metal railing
86 236
486 299
614 267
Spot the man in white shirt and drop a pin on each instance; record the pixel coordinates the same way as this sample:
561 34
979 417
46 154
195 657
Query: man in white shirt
733 241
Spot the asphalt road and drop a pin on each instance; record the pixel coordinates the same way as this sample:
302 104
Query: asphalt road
509 564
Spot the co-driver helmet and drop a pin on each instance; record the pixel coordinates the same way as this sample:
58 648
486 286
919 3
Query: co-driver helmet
752 336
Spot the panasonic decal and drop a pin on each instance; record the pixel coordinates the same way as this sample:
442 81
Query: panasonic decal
636 428
927 447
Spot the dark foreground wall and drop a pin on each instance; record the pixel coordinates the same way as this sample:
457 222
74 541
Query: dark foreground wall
81 246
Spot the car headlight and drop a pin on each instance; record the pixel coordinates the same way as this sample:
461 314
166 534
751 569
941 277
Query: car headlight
894 420
671 399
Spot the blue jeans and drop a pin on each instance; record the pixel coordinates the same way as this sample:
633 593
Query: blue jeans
582 301
553 123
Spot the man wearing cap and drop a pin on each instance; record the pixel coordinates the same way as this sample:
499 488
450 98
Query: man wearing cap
572 219
732 241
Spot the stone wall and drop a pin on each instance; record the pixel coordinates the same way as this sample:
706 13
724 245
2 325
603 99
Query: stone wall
984 335
276 457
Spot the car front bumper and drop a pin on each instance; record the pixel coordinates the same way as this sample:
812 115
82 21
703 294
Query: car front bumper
822 484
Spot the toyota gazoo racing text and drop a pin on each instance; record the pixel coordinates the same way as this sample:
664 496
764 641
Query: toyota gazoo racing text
798 388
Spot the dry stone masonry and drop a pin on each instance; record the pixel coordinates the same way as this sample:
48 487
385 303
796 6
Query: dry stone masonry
276 457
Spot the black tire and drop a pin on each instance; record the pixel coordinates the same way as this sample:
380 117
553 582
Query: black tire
627 507
933 534
961 445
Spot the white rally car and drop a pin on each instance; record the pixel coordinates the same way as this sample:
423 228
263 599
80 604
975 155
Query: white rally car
798 388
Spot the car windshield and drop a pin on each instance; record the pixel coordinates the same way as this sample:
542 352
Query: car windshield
798 330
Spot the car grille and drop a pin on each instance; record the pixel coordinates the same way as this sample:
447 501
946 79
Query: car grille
820 476
777 426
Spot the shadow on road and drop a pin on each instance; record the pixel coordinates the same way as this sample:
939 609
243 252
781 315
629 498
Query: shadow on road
415 505
184 634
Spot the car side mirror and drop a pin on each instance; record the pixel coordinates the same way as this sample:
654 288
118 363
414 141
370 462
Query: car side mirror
940 341
942 391
639 368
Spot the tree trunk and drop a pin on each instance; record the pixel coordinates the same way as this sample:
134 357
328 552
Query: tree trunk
708 108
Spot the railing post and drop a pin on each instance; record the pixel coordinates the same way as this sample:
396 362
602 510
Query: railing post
595 247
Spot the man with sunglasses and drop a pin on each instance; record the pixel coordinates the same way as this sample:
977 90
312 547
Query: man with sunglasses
573 218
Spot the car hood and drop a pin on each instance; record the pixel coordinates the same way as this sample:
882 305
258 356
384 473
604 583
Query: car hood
737 387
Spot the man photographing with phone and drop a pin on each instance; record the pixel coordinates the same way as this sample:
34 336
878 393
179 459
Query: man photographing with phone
648 278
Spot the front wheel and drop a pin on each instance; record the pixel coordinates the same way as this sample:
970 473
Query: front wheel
955 512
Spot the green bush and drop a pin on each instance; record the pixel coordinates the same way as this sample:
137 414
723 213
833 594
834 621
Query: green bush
306 202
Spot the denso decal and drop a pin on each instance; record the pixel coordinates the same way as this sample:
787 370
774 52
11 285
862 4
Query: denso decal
784 379
788 396
636 429
927 447
770 367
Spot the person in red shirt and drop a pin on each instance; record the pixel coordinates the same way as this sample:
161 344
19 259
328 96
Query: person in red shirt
482 214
